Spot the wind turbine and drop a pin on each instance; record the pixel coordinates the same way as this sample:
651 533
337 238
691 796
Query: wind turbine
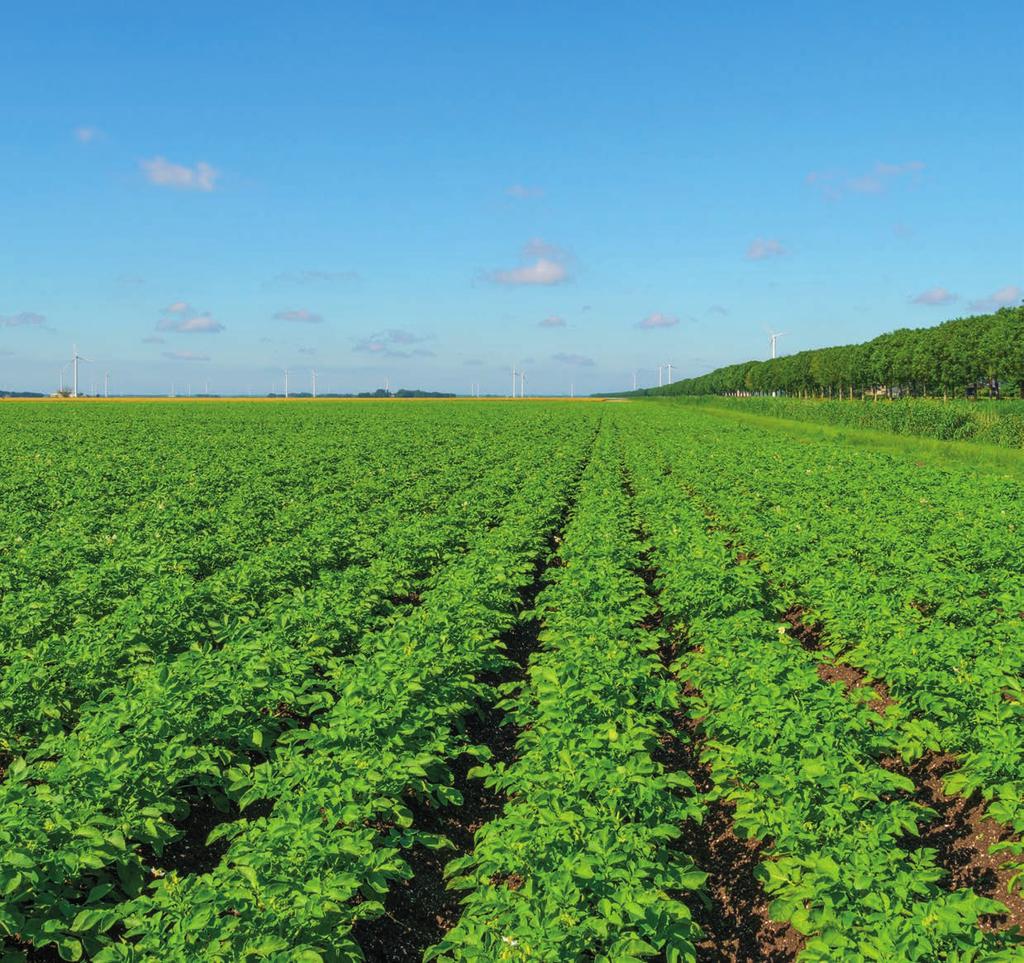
285 370
314 383
75 358
514 373
774 336
522 384
660 366
106 384
634 381
668 364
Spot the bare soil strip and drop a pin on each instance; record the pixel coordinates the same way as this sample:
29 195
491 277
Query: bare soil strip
962 835
420 910
736 923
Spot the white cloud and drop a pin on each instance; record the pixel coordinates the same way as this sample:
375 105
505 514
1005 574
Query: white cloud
86 135
300 315
153 339
160 171
1002 298
658 320
185 356
26 319
718 309
393 343
933 296
579 360
834 184
762 248
523 191
549 265
552 322
182 317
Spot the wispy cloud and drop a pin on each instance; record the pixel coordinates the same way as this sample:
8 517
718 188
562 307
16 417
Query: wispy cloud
160 171
718 309
524 191
579 360
934 296
552 322
130 279
393 343
901 230
182 317
832 184
762 248
313 277
24 319
153 339
299 315
658 320
1002 298
185 356
546 264
86 135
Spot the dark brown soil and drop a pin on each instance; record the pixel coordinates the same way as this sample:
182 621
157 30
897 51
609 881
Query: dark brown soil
737 927
853 678
961 834
807 634
420 910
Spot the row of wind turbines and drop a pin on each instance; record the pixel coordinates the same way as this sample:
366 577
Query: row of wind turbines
518 375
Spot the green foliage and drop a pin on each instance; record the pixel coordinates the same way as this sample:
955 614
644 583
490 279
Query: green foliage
945 360
983 422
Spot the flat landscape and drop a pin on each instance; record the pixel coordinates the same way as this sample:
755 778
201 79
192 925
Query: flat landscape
531 680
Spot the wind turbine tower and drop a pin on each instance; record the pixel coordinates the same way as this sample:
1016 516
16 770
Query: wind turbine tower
75 358
314 383
774 336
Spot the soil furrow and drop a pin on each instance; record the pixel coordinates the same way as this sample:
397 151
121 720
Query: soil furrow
735 920
420 910
960 834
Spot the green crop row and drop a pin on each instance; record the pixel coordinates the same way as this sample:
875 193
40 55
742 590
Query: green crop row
912 576
581 863
798 762
293 883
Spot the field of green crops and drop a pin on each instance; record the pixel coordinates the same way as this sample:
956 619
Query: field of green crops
501 681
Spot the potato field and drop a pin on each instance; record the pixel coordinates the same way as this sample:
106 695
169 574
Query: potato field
501 681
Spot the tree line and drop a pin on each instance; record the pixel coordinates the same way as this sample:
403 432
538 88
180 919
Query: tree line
978 355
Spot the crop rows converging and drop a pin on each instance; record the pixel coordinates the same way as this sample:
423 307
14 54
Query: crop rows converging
257 661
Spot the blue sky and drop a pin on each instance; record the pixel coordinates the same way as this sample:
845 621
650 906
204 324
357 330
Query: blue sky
203 193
